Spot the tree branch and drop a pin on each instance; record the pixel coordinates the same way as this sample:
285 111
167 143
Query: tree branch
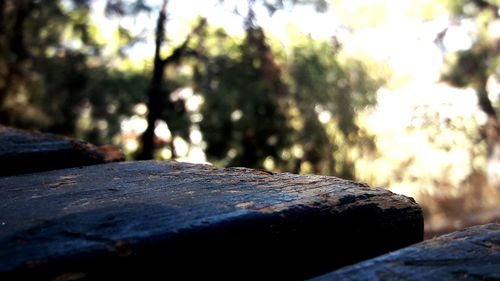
183 49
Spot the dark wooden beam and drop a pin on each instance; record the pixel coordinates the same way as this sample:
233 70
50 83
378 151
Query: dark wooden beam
24 151
168 219
470 254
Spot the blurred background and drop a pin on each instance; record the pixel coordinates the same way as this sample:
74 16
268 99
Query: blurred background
403 94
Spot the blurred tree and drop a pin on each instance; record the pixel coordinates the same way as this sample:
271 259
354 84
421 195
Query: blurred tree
52 71
476 66
260 110
328 92
244 113
297 116
157 92
159 103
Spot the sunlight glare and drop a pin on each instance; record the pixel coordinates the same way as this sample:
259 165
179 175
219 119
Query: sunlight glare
195 136
140 109
181 146
457 39
197 156
166 154
269 163
162 131
324 116
135 124
236 115
297 151
131 145
194 102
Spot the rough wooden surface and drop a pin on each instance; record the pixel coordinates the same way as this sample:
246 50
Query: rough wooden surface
171 219
25 152
471 254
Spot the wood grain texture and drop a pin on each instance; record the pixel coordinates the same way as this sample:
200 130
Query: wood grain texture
26 152
470 254
183 220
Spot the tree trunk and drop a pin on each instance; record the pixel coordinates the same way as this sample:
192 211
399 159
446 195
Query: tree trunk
491 133
155 89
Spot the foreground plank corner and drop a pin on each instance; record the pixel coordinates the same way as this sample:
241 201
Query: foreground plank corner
470 254
175 219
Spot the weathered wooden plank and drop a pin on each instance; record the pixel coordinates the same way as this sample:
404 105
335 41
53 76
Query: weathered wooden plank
172 219
26 151
470 254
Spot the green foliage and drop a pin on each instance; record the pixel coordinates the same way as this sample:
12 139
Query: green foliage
53 72
323 84
259 110
33 35
475 66
243 122
470 8
466 67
